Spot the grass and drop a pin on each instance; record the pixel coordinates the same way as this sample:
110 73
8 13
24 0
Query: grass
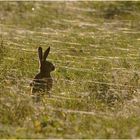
95 48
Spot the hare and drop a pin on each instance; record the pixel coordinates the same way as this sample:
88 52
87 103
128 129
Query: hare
42 82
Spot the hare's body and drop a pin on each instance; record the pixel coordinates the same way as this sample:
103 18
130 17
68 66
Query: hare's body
42 82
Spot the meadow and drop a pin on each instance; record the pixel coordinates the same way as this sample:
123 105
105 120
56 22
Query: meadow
95 47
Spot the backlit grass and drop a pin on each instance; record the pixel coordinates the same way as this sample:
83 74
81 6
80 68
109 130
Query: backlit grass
95 48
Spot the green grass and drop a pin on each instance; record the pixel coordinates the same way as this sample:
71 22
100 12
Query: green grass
95 48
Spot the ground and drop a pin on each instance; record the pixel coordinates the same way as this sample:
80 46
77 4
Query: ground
95 49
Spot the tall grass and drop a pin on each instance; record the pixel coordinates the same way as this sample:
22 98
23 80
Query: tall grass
95 48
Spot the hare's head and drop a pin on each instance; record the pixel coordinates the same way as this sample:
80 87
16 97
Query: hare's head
45 66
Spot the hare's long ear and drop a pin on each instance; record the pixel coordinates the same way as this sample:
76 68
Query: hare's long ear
46 53
40 54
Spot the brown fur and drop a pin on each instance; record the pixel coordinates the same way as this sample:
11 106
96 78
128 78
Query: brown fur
42 82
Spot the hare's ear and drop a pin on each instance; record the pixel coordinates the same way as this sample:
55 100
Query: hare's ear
40 54
46 53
